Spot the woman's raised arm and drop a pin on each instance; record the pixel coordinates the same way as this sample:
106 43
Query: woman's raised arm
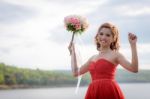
75 68
133 66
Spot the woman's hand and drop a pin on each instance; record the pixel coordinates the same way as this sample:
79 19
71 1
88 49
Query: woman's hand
71 47
132 38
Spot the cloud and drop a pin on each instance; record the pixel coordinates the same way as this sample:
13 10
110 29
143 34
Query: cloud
119 14
33 34
128 2
10 13
134 11
60 36
25 42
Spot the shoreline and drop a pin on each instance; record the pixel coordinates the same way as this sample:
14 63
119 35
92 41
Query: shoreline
9 87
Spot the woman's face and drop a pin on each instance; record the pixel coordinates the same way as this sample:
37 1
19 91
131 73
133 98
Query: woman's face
105 37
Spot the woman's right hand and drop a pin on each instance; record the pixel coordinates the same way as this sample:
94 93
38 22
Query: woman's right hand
71 47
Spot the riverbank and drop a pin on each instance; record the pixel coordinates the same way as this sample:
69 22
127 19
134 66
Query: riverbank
14 87
6 87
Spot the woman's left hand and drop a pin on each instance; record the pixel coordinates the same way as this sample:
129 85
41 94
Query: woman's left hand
132 38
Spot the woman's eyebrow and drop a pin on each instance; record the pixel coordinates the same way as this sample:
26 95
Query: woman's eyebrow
100 32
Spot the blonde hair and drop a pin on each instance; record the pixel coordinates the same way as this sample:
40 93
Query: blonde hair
114 45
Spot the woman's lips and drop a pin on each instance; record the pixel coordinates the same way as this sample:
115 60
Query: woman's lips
103 41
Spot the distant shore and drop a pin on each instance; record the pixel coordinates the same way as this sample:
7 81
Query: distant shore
12 77
6 87
2 87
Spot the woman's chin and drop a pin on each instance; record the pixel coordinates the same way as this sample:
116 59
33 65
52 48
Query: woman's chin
104 45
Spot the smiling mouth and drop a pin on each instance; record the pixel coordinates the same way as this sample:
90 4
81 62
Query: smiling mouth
103 41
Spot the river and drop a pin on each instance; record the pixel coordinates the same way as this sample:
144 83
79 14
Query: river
131 91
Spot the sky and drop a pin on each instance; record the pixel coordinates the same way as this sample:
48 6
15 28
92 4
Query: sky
32 33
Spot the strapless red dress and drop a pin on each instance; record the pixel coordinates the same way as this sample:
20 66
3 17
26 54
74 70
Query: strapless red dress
103 85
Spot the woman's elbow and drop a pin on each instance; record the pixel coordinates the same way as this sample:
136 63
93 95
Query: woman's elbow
135 70
75 74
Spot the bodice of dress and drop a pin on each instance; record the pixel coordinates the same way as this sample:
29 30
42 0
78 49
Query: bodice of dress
102 69
103 85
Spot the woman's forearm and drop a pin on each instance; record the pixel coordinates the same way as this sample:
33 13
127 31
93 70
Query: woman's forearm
74 65
134 62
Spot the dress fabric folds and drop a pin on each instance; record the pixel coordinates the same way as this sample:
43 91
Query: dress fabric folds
103 85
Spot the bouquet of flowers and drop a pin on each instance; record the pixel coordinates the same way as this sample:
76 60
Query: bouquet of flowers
76 24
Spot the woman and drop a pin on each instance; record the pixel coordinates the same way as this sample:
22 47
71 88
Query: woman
102 66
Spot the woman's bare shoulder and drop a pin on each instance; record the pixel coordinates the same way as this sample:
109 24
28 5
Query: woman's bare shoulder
117 55
92 57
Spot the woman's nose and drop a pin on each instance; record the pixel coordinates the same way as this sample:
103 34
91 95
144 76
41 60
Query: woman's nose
103 37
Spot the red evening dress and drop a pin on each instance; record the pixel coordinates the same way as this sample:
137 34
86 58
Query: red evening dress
103 85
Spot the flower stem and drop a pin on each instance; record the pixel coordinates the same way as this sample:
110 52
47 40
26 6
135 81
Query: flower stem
72 37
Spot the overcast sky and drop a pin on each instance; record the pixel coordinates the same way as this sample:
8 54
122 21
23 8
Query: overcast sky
32 33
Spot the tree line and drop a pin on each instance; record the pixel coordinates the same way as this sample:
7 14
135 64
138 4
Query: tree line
11 75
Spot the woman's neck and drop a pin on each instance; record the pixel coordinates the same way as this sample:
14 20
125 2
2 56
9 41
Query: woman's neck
105 49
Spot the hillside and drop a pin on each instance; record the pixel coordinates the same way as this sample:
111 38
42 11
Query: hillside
22 77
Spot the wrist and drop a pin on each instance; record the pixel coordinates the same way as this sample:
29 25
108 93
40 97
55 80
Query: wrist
133 45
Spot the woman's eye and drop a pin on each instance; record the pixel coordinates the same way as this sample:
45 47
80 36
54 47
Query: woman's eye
100 33
108 35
